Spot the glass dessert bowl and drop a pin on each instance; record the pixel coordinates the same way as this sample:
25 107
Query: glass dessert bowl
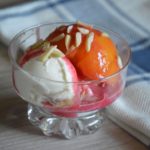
68 73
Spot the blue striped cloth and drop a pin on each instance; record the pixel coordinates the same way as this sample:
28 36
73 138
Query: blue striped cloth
129 18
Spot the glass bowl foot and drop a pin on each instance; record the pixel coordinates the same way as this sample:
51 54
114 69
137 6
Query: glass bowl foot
50 124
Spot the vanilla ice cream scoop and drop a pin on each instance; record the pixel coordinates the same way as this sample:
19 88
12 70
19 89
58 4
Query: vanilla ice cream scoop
48 79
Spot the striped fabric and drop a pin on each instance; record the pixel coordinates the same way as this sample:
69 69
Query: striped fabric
129 18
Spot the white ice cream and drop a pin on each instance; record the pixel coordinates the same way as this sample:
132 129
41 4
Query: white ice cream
38 83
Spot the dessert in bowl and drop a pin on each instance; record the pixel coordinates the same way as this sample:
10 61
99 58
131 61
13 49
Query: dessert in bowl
68 73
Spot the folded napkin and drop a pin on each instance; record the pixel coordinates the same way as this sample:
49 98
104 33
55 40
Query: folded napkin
131 111
129 18
15 19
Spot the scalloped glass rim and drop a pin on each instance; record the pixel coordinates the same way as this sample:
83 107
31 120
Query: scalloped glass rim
65 23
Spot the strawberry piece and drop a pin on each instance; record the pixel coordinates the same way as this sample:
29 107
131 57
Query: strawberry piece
100 103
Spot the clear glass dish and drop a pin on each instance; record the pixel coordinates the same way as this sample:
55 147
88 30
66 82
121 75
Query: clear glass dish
85 116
